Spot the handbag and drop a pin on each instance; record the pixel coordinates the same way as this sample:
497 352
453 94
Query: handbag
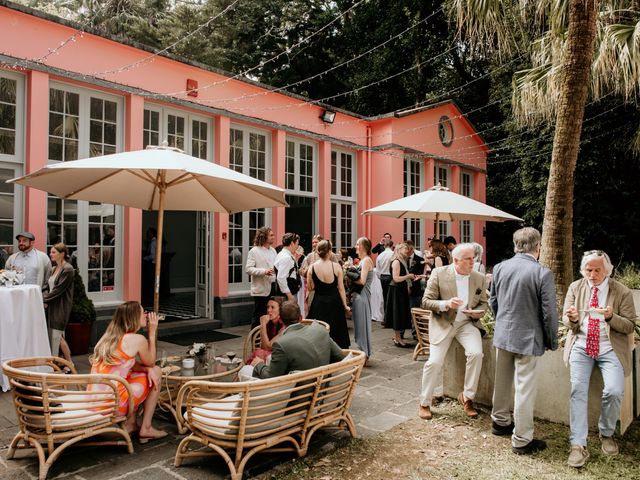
293 283
353 274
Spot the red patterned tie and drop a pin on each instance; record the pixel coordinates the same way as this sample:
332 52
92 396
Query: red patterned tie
593 331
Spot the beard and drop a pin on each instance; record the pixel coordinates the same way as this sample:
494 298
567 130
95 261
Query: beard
23 248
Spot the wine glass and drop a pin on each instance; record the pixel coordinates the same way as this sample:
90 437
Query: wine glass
163 361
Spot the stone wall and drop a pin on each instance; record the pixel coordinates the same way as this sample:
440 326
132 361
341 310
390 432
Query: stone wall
552 402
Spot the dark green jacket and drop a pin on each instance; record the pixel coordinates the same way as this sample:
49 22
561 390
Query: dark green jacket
300 347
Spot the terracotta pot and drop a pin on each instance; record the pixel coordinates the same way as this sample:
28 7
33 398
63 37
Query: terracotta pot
78 336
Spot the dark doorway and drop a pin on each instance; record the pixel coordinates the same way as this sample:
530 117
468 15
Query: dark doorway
299 218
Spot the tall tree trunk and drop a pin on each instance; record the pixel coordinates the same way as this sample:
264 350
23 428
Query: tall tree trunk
557 233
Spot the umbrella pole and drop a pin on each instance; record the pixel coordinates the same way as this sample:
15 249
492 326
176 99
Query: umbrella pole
156 283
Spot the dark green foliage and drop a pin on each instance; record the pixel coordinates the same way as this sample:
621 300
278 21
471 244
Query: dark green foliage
253 35
82 310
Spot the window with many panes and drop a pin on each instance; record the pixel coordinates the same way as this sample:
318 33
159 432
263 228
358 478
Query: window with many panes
249 151
466 227
343 199
84 124
8 213
441 228
11 114
183 130
299 167
413 185
11 159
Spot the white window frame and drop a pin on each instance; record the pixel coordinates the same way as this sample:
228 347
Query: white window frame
444 229
338 200
15 161
413 227
116 295
17 204
18 156
296 190
466 226
242 288
189 117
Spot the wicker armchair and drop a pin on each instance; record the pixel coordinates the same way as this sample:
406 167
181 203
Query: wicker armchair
421 323
55 411
253 341
238 420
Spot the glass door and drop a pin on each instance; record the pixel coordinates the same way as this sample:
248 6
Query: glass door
203 264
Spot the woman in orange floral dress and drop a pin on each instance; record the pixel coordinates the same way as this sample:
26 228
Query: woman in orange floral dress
121 351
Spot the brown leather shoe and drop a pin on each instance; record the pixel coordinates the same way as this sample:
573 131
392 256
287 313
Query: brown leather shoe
425 413
467 406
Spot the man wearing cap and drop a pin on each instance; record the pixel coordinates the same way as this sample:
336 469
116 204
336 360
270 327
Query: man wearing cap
35 264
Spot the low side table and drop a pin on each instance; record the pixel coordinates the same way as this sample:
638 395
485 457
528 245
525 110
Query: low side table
173 381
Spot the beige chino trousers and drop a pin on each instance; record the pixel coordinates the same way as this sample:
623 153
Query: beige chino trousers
519 371
469 337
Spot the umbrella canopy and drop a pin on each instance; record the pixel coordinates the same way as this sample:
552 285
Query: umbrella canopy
134 179
438 203
158 178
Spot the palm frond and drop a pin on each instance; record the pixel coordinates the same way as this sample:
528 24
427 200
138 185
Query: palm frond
487 25
536 89
616 65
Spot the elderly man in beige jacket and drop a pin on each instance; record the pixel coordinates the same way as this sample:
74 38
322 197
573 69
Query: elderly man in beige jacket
457 298
600 316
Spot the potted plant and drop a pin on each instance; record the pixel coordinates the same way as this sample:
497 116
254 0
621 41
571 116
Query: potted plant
83 314
629 276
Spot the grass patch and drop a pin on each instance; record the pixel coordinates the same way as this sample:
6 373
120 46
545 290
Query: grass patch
451 446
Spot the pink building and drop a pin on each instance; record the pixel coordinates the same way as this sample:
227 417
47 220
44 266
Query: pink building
66 95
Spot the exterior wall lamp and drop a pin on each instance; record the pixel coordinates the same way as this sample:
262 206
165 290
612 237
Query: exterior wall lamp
328 116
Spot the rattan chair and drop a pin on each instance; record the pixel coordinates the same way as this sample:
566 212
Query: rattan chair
253 341
421 324
240 419
55 411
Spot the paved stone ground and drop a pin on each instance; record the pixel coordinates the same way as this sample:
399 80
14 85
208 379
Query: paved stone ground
386 396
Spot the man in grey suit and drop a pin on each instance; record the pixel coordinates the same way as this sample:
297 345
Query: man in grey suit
300 347
523 299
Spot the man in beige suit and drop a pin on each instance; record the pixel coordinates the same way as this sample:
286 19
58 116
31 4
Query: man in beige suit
457 298
600 315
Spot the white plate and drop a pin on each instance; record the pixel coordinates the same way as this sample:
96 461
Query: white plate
471 312
600 311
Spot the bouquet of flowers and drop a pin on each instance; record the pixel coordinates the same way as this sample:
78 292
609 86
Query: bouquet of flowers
8 278
197 349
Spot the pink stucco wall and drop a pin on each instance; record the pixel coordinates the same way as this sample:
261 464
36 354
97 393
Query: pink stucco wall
379 146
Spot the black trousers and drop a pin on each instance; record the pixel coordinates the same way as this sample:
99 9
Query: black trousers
259 309
385 281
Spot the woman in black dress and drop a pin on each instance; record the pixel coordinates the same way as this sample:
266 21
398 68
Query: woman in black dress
398 308
329 303
440 253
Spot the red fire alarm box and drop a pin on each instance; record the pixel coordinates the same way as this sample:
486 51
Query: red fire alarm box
192 87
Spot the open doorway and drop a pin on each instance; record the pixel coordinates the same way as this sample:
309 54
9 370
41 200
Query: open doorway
178 275
300 219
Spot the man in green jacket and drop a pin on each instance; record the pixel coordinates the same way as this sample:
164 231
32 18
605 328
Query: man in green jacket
300 347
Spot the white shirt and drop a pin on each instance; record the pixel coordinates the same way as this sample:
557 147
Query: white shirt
581 337
462 285
28 263
284 263
383 262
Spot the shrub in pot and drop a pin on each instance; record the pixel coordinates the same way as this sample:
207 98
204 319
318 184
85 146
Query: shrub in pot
629 276
83 314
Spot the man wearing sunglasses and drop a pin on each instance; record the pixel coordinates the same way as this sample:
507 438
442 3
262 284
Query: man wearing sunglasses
600 315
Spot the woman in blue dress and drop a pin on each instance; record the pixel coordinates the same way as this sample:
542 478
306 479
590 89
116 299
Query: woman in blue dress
361 302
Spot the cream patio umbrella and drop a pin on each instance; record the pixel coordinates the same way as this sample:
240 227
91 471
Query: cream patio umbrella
157 178
438 203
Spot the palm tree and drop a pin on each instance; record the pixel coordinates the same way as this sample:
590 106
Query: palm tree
576 48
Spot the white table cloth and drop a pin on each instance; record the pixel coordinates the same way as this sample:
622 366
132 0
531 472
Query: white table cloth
23 327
